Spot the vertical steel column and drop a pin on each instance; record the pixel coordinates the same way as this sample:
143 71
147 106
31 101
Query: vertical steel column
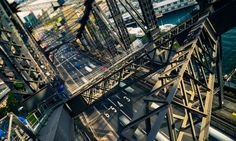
119 22
94 35
148 120
149 18
88 40
219 72
110 43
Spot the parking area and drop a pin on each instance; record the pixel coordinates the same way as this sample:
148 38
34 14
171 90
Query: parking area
75 67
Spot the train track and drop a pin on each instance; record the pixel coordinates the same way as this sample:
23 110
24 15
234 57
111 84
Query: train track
222 125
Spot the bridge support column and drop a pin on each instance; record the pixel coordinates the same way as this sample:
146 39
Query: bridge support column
148 120
119 22
219 72
149 18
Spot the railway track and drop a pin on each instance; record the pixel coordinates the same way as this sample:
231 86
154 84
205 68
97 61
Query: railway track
222 125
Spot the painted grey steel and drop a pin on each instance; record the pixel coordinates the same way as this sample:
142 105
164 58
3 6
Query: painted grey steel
119 22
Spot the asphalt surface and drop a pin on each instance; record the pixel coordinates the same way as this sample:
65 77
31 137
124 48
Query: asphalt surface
67 59
128 103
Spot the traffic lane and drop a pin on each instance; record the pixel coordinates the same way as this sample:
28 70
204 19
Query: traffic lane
69 68
78 81
110 113
64 75
91 60
71 85
99 125
121 104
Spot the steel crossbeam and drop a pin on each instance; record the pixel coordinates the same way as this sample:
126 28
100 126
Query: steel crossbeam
183 79
119 22
185 91
18 64
15 129
132 56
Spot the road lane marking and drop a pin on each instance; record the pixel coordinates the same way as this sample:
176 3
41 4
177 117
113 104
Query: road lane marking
64 60
68 75
107 123
118 108
78 70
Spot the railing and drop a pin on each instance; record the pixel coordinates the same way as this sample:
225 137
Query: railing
38 117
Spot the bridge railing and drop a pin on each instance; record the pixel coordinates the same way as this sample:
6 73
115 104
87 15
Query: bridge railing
38 117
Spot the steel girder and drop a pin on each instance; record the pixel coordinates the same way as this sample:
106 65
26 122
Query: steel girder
129 59
138 18
18 59
185 80
149 18
183 90
15 129
31 43
119 22
93 30
105 32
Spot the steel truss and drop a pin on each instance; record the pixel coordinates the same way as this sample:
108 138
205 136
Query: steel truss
187 85
184 79
17 59
119 22
97 39
15 129
149 18
105 31
119 71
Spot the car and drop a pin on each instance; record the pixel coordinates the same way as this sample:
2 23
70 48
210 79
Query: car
42 66
47 73
78 66
91 65
84 79
128 89
88 69
103 68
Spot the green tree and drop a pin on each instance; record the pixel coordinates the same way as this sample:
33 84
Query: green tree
13 104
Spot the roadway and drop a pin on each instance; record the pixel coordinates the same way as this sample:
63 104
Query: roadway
74 66
104 116
128 103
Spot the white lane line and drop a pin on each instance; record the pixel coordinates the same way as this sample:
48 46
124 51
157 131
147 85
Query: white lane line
118 108
64 60
68 75
117 96
104 106
77 70
108 124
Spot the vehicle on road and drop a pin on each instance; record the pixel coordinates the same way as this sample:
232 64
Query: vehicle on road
88 69
78 66
47 73
103 68
128 89
91 65
42 66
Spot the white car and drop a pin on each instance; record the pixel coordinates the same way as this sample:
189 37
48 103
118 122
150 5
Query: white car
128 89
42 66
47 73
88 69
91 65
